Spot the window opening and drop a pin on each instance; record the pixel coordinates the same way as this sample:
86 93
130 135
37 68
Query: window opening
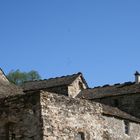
80 136
116 103
9 129
126 126
81 85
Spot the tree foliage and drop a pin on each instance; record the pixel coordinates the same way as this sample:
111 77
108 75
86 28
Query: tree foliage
18 77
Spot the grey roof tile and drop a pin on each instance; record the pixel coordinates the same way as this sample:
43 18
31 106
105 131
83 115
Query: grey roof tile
52 82
107 91
8 89
112 111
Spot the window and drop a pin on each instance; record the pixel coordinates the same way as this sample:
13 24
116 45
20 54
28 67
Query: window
116 103
13 136
81 85
126 127
80 136
10 135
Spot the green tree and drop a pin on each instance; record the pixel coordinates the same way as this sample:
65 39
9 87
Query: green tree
17 77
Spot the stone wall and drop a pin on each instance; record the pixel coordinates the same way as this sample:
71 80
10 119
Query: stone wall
59 90
49 116
76 87
20 118
129 103
64 118
74 119
115 129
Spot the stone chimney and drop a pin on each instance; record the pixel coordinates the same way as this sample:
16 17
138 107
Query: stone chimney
137 77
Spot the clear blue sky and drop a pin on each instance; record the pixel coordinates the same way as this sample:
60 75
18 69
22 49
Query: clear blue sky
100 38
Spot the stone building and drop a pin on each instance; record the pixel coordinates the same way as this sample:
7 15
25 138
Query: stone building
64 108
125 96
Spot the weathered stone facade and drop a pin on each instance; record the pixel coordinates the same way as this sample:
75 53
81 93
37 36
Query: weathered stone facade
20 118
49 116
129 103
49 110
64 118
115 129
76 86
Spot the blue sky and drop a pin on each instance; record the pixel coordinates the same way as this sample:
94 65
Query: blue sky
100 38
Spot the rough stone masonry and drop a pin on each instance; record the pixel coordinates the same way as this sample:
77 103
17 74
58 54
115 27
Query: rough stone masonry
63 108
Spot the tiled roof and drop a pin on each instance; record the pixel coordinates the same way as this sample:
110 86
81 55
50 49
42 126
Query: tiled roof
112 111
8 89
52 82
107 91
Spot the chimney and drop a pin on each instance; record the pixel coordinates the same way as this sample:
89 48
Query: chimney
137 77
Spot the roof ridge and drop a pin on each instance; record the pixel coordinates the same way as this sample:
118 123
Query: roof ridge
114 85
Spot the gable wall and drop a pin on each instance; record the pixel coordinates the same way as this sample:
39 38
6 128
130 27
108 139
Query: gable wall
59 90
76 87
